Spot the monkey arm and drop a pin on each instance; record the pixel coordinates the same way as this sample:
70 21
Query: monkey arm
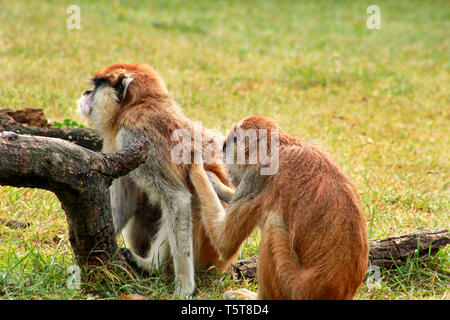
224 192
227 229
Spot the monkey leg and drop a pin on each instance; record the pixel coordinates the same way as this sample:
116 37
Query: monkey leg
174 236
142 227
177 216
146 236
137 242
159 253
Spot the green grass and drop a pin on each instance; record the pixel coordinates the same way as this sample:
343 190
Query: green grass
376 99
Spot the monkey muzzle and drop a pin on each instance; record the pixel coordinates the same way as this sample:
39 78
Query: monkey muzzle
84 103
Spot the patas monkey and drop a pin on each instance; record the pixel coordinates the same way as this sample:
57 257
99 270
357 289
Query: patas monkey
314 241
130 101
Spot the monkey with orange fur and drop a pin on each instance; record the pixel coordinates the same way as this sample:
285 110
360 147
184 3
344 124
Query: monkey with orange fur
314 240
129 102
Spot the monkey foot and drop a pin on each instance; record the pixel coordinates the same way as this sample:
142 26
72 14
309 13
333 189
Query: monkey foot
241 294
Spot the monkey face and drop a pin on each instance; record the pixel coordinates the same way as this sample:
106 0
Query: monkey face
230 154
253 143
96 97
239 152
116 87
101 103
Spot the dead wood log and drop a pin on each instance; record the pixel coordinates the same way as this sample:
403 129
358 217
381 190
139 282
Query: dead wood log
33 122
394 251
80 178
388 252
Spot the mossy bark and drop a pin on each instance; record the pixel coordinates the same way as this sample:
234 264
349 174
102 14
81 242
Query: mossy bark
79 177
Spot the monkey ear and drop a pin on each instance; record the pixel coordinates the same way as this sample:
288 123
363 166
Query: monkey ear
122 87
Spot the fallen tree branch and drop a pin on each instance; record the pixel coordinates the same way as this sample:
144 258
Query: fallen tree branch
388 252
33 122
79 177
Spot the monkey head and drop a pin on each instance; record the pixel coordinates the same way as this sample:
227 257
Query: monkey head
252 144
117 88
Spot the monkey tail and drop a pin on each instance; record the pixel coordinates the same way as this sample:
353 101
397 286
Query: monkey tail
295 280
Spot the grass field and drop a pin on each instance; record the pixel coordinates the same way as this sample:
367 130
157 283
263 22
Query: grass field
378 100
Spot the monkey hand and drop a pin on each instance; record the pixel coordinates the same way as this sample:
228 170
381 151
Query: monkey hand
224 192
196 158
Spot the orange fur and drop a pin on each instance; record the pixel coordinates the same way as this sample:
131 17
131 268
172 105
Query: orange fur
149 109
314 240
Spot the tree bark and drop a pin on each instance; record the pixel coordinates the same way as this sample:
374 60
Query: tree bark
387 252
79 177
33 122
394 251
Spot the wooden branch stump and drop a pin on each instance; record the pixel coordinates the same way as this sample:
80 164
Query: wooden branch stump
388 252
80 178
33 122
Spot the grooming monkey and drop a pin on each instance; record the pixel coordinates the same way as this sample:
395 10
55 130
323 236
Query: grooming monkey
314 240
153 205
